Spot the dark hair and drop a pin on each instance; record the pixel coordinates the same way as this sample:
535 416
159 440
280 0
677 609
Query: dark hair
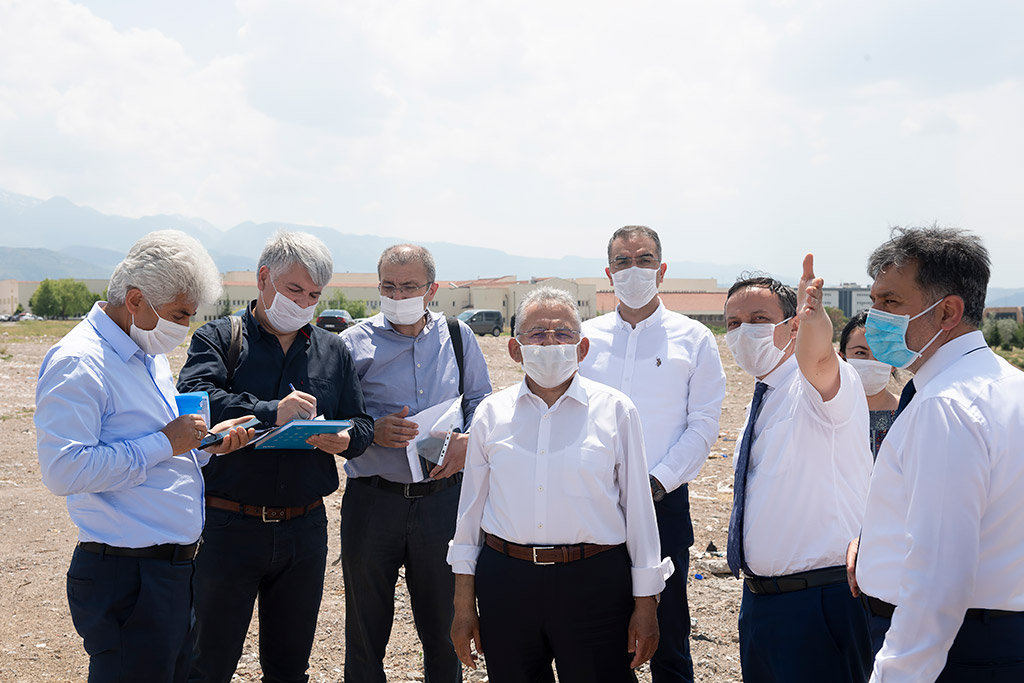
633 231
785 295
859 320
949 262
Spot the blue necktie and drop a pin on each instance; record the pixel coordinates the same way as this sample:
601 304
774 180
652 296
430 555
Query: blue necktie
734 548
908 393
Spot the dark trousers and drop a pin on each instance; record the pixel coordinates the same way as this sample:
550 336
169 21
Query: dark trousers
380 532
134 616
986 650
575 613
671 662
813 635
279 564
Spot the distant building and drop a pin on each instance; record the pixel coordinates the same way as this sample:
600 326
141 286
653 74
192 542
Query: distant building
698 298
14 292
850 298
1015 313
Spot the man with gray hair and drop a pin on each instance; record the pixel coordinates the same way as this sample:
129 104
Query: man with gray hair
556 541
111 441
941 559
408 359
266 531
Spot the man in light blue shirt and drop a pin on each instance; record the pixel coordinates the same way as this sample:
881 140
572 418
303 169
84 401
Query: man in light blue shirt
110 439
406 362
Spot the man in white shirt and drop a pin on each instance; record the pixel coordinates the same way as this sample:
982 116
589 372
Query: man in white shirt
669 367
942 549
802 469
556 538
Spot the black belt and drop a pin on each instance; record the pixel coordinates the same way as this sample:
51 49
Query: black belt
423 488
774 585
881 608
168 551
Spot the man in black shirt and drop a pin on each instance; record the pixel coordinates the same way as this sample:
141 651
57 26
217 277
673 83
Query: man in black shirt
266 527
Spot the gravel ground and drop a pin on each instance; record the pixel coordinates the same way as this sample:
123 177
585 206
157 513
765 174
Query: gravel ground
39 643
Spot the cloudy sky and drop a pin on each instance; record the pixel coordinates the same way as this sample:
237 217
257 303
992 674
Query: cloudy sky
745 132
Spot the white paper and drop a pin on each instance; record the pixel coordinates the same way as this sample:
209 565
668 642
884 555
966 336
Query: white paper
434 423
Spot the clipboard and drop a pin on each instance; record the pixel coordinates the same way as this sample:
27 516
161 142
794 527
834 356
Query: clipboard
436 424
293 435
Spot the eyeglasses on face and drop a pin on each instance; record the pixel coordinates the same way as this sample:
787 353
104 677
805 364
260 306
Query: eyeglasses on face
537 335
642 261
389 290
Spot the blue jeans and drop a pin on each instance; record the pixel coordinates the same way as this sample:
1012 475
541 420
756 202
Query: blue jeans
380 532
134 616
671 661
280 564
808 636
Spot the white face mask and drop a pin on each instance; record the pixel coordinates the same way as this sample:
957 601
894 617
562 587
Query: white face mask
874 375
550 365
753 347
163 338
635 287
403 311
284 315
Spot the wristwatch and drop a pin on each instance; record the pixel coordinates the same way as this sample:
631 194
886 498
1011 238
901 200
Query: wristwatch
657 490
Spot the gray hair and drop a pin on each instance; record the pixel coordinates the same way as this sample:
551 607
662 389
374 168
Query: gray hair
285 249
547 296
949 261
628 231
404 254
164 265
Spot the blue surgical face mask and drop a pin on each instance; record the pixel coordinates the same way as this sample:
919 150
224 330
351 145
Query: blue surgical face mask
886 334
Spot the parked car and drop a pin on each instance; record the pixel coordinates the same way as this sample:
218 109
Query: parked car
483 320
334 319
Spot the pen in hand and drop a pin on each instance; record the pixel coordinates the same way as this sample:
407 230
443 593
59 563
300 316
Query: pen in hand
301 415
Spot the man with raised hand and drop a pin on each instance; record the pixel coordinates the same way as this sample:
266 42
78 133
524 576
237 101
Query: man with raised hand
669 367
802 468
941 559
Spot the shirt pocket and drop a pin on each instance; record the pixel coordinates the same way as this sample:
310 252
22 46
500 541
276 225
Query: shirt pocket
587 471
327 398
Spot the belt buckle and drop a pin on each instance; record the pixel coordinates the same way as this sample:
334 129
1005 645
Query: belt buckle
405 492
541 547
264 515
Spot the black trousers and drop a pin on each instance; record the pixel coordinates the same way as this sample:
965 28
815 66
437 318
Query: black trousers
576 614
671 662
279 564
134 616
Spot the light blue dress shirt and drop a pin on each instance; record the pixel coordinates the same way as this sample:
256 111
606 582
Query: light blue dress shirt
100 405
395 370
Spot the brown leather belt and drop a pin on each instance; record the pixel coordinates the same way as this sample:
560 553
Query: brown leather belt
546 554
262 511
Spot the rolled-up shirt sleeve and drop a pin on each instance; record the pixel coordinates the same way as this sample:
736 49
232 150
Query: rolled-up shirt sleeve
649 569
71 401
464 548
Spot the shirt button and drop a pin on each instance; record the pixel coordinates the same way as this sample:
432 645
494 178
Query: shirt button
540 488
540 526
421 391
417 365
545 417
542 451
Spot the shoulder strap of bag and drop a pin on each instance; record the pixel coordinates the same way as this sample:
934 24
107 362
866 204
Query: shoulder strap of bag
455 332
235 348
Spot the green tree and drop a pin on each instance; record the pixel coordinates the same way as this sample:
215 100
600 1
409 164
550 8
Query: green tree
44 300
838 321
61 298
357 309
991 331
1007 331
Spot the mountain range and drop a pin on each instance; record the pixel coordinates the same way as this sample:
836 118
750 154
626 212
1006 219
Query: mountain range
56 238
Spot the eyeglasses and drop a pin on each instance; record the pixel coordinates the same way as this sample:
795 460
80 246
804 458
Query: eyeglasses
643 261
537 335
390 290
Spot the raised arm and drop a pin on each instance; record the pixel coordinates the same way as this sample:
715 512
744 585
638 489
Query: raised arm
815 354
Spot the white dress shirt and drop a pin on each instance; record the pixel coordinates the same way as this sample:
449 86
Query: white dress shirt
808 473
100 405
669 367
944 527
571 473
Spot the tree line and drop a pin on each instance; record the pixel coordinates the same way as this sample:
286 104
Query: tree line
62 299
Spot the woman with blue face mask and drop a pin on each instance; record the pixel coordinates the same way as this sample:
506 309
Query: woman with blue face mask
875 376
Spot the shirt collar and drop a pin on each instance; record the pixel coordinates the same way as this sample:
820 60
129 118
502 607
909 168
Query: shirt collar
653 319
779 375
124 346
946 355
576 392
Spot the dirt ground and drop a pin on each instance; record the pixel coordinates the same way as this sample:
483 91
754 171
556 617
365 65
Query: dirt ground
39 643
